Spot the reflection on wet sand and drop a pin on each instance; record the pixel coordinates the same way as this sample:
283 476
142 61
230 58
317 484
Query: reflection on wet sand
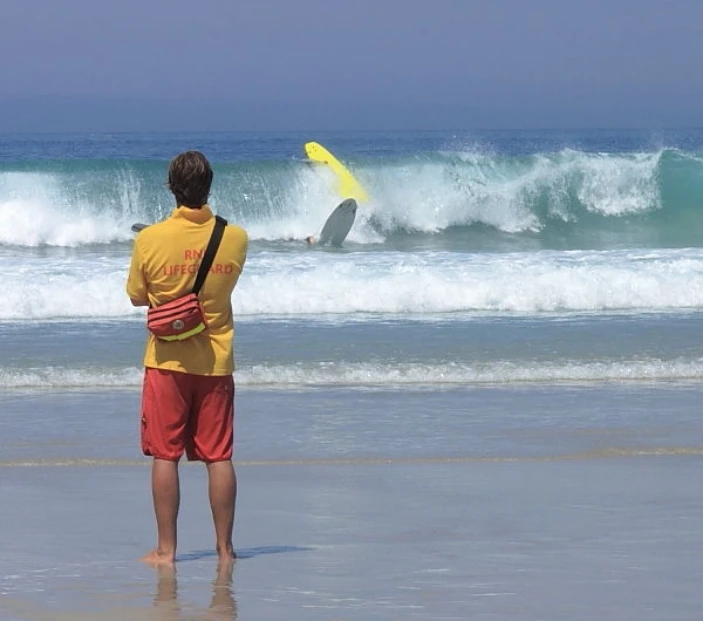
223 605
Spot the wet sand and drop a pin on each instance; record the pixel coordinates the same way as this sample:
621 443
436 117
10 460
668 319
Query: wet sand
577 529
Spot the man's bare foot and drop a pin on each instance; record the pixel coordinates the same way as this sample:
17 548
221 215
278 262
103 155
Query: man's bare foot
227 556
156 557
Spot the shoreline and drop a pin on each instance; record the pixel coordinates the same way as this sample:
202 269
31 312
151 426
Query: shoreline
514 540
520 503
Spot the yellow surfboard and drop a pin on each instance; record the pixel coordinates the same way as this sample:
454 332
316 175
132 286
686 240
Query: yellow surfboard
348 187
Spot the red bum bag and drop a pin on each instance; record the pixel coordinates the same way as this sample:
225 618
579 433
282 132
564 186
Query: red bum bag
183 317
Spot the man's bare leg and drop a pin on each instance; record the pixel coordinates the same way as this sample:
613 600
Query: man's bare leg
223 497
165 489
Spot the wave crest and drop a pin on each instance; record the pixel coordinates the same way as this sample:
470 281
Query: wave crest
544 195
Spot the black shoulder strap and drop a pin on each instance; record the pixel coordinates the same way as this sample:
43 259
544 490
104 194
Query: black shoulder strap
210 252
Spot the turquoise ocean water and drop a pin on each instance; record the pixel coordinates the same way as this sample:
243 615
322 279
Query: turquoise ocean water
480 258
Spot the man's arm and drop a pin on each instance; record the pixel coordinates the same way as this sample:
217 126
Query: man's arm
136 282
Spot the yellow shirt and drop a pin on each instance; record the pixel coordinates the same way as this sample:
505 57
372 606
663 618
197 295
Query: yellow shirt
165 260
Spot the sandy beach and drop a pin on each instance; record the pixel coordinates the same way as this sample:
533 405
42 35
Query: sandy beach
517 518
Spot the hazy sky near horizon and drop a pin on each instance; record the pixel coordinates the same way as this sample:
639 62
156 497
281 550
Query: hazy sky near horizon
320 64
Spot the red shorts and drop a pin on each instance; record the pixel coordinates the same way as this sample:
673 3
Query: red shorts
191 413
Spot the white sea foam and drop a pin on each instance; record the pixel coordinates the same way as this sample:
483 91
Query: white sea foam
33 223
617 186
381 374
509 194
46 288
418 194
38 209
58 377
308 284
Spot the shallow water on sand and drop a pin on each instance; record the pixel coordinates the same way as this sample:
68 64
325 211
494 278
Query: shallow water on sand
524 503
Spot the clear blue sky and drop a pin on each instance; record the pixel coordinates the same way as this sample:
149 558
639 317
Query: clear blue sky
339 64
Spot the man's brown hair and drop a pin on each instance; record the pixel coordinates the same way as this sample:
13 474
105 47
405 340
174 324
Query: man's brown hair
190 178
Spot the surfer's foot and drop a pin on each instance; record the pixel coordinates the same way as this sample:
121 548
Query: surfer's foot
159 557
